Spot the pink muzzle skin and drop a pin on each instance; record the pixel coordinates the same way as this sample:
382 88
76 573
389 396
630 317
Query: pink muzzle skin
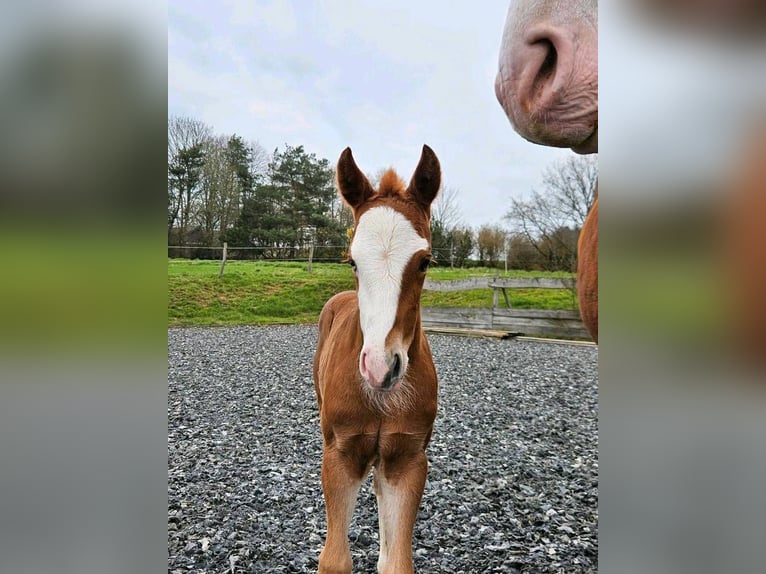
378 372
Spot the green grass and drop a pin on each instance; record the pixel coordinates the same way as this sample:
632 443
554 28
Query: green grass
284 292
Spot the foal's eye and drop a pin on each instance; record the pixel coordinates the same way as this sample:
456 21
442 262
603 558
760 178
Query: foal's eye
353 264
425 263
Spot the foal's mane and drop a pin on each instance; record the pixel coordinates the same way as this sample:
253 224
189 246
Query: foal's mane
391 185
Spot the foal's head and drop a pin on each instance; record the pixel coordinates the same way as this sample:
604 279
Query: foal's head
389 253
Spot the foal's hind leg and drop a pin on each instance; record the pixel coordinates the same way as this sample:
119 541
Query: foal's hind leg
399 484
340 484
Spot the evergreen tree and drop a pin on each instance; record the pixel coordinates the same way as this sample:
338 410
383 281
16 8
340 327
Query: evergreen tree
462 244
440 242
239 155
293 204
184 174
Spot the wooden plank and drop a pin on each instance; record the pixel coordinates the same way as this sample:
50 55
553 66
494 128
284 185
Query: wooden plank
471 332
539 326
530 322
460 317
533 283
458 285
557 341
508 283
464 313
538 313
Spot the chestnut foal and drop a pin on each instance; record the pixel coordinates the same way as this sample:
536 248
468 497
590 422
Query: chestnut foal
373 373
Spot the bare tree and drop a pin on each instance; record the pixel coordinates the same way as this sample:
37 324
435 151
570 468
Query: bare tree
219 198
550 221
184 133
490 243
571 184
445 211
186 140
259 160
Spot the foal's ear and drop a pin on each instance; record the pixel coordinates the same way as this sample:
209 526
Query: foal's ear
352 183
427 178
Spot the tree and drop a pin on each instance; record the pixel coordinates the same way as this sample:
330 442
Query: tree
490 242
184 175
225 175
259 161
184 133
445 219
462 243
307 185
440 242
239 158
550 221
522 254
295 203
186 140
445 211
571 183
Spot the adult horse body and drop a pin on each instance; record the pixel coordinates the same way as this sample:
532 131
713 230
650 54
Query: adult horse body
547 83
373 374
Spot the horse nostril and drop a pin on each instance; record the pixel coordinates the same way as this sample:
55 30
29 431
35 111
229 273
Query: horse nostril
548 66
397 367
393 374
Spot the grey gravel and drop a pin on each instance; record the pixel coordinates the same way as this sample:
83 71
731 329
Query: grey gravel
513 478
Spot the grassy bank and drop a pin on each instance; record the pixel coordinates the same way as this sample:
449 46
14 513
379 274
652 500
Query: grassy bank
283 292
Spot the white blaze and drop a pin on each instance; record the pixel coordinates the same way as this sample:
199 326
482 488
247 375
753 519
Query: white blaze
383 244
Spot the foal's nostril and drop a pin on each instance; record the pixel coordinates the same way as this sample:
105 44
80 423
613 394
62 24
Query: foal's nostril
396 368
393 374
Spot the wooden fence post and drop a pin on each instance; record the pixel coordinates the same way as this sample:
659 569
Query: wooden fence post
311 256
223 260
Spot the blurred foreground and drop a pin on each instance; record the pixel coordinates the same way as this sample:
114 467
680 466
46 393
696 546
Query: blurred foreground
83 295
683 279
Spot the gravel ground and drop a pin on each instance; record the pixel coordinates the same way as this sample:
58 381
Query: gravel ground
513 478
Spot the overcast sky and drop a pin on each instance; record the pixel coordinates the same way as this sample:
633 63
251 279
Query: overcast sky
381 77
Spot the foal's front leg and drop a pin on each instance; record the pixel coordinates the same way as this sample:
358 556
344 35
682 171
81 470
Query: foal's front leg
399 484
340 484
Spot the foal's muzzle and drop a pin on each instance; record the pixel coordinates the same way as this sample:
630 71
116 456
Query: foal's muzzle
381 373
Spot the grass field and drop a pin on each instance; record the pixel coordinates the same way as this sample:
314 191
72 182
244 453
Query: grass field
284 292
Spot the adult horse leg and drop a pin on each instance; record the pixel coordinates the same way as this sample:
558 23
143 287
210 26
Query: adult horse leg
340 484
399 484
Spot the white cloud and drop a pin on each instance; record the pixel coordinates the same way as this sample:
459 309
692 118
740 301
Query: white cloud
277 15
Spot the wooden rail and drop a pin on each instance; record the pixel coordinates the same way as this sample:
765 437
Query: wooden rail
497 283
535 322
